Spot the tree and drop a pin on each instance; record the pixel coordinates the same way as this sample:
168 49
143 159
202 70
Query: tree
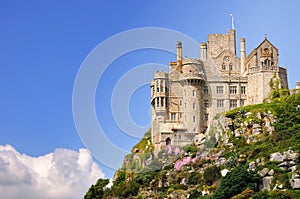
96 191
235 182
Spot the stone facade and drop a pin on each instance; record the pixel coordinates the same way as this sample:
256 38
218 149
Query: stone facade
185 100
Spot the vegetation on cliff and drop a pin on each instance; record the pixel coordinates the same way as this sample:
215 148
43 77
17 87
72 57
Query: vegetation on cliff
253 153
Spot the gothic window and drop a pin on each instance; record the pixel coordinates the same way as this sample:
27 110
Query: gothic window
232 90
162 101
194 119
220 103
157 89
157 102
180 115
233 103
223 67
220 89
230 66
243 90
206 103
193 92
180 102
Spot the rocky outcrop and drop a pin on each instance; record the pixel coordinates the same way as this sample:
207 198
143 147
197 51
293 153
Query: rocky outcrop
267 177
295 181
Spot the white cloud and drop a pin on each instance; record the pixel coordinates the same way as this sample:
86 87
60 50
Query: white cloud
60 175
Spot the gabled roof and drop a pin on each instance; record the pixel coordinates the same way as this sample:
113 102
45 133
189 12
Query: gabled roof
253 52
224 52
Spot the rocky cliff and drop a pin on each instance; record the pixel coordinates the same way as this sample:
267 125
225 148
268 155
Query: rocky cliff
249 152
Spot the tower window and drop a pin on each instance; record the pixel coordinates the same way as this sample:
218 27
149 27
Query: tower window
194 119
194 106
206 116
232 90
220 89
230 66
206 103
157 89
162 101
193 92
180 102
220 103
223 67
205 89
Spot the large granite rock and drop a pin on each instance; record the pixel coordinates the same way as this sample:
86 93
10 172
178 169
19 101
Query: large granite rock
295 181
277 157
266 183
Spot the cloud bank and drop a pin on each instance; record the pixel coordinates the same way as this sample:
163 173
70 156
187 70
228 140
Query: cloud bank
62 174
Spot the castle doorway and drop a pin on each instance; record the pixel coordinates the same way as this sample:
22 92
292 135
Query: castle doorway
168 141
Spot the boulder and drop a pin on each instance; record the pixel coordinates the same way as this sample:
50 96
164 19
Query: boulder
271 172
283 165
293 168
277 157
295 181
266 182
263 172
291 155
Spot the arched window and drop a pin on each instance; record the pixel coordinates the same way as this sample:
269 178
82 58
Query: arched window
223 67
168 141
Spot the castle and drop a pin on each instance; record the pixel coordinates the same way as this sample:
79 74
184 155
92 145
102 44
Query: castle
185 100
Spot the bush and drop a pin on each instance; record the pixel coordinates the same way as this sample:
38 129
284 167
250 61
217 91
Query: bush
211 175
194 178
235 182
96 191
247 193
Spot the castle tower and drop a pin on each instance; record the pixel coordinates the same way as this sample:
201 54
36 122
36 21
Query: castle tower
159 102
192 80
217 43
264 72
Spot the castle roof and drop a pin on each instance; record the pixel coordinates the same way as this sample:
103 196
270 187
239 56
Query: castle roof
254 51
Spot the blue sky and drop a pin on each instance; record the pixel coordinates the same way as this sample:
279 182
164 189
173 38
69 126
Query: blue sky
43 44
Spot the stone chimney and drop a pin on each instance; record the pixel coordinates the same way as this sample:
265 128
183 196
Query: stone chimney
179 51
243 54
203 51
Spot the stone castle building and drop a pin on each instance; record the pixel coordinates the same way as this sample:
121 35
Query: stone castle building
185 100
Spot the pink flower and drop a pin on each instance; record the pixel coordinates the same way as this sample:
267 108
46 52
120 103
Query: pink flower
180 163
169 149
177 150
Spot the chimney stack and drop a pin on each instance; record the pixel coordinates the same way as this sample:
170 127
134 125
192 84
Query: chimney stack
203 51
243 54
179 51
